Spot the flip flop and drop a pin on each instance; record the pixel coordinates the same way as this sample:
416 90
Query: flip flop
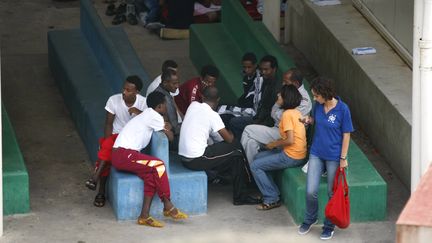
90 184
177 216
150 222
99 200
268 206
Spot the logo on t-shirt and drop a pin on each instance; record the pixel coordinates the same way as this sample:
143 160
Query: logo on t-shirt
332 118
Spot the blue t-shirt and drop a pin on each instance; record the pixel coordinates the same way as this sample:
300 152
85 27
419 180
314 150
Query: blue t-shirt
329 130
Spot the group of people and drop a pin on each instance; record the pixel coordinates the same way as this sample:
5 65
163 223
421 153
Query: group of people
154 14
264 131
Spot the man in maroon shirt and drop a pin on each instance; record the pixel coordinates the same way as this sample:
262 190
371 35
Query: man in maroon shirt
191 90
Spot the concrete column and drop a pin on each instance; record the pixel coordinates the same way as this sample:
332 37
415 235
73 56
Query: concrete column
1 163
422 84
271 17
287 23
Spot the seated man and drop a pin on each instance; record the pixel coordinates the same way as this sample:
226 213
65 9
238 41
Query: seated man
251 87
255 137
251 79
191 90
120 109
169 85
168 64
263 100
227 156
126 156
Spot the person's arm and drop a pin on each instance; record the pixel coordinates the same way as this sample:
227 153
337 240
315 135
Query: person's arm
168 131
180 100
282 142
134 110
345 144
109 121
226 135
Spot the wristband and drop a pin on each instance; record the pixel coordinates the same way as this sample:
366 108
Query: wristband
343 158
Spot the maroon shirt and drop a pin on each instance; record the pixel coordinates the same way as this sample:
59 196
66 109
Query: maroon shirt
189 91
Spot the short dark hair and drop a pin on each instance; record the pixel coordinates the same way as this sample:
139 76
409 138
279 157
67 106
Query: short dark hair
271 59
296 75
324 87
249 56
210 93
291 97
134 79
209 70
154 99
168 64
167 75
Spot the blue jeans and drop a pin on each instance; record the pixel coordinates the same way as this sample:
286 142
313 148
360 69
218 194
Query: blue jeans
315 169
268 161
153 12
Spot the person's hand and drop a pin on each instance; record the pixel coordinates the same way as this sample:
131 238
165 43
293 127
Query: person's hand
306 120
134 110
271 145
279 100
343 163
167 126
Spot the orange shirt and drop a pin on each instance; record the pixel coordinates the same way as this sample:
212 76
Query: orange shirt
290 122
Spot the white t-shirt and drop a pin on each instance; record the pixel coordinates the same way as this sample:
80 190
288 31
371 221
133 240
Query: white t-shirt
116 106
137 133
200 121
156 83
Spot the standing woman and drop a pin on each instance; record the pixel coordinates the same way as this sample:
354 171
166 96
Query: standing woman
329 149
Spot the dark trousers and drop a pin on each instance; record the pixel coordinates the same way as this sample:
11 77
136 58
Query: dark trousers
224 158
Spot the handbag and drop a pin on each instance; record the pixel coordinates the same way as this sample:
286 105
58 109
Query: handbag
338 207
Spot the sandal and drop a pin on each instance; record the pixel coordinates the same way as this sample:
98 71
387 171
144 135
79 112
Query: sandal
176 216
99 200
150 222
268 206
91 184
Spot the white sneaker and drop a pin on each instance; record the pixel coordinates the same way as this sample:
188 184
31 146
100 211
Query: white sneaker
142 18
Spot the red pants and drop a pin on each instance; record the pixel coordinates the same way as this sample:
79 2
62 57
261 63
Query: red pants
150 169
104 153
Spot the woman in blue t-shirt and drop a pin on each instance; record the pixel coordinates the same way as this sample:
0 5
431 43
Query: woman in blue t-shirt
329 149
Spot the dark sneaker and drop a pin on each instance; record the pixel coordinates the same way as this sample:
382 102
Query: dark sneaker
305 228
327 234
132 19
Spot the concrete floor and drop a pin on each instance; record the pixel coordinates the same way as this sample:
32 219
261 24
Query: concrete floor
61 207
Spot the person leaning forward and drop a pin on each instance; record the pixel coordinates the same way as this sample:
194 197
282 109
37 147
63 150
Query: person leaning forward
224 157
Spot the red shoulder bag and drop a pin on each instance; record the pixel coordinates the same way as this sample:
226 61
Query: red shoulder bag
338 207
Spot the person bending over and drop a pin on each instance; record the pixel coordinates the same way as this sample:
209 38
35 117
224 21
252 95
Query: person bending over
126 156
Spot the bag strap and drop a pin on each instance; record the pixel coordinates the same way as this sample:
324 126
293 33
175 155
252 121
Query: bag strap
340 177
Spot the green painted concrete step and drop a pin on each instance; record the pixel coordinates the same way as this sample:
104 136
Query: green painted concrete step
368 191
15 177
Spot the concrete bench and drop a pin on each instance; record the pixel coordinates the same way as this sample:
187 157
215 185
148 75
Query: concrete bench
188 188
90 64
223 45
15 177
